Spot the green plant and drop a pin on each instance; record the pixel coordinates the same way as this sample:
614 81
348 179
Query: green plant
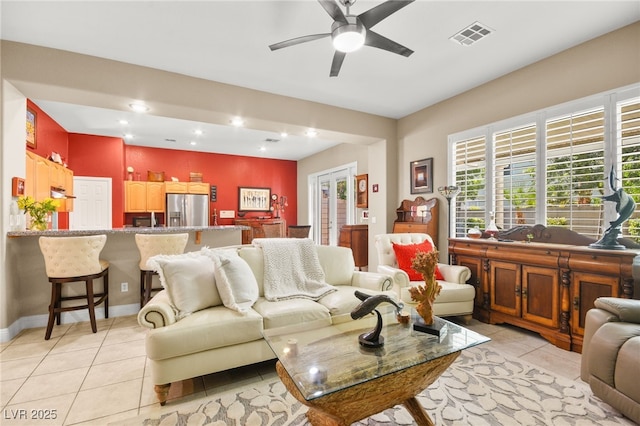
634 229
38 210
557 221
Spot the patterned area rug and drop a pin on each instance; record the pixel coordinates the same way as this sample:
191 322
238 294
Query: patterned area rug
482 387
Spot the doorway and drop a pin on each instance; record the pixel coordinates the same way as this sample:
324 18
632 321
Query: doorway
333 202
92 205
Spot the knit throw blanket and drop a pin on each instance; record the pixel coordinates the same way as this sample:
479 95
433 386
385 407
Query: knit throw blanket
292 269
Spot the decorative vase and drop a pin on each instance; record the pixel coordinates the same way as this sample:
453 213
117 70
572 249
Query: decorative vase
426 295
38 223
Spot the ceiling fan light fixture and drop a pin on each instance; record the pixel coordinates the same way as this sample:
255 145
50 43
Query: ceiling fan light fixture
348 37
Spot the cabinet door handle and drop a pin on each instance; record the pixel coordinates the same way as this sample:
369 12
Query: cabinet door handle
524 292
576 303
517 290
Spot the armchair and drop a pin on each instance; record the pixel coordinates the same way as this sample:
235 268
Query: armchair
611 353
455 298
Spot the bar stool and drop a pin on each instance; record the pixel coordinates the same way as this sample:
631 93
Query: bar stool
75 259
150 245
299 231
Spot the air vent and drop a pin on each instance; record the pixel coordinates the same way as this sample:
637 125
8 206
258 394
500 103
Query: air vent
272 140
472 34
170 140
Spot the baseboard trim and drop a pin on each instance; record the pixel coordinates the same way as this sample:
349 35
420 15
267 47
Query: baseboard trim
37 321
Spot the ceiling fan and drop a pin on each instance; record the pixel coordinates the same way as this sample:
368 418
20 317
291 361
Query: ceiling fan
350 32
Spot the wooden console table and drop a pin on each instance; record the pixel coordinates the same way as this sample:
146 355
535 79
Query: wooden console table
356 237
256 230
543 287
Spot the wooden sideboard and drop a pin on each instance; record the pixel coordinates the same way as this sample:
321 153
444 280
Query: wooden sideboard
356 237
543 287
419 215
256 230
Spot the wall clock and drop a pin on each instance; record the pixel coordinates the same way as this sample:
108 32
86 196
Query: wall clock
362 187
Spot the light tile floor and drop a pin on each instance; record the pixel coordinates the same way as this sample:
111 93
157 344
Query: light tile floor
82 378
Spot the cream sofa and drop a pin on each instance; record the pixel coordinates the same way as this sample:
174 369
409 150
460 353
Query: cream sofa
218 338
455 298
611 353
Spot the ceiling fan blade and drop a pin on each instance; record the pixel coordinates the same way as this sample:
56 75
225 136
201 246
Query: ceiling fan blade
297 40
374 39
338 58
381 11
333 10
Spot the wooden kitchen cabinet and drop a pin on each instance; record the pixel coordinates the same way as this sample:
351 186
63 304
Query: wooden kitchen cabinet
543 287
176 187
197 188
42 174
155 197
141 197
135 196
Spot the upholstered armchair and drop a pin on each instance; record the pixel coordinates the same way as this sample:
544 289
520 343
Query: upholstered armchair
455 298
611 354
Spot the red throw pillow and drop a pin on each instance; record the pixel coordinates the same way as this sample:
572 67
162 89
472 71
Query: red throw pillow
405 254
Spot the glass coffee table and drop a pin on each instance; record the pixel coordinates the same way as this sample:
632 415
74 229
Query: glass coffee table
342 382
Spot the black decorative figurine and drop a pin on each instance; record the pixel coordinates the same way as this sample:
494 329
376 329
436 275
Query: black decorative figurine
625 206
372 339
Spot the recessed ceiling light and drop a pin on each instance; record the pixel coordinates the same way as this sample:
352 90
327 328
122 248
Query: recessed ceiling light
237 121
263 149
128 136
284 134
139 107
192 142
198 132
312 133
123 122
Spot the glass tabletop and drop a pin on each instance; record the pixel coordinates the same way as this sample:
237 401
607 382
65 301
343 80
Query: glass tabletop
323 359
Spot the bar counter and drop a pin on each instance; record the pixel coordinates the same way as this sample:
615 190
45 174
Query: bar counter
29 287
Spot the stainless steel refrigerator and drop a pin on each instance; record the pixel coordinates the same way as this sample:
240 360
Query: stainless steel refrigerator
187 210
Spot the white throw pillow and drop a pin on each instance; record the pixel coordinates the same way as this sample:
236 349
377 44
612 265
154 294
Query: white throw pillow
189 279
236 283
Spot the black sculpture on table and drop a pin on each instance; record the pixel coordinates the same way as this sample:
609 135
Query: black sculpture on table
372 339
625 206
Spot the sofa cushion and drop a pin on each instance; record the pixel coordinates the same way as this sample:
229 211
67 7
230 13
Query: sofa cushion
337 263
204 330
235 280
189 280
405 254
343 301
291 311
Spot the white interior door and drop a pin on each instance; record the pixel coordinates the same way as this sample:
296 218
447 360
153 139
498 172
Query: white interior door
92 205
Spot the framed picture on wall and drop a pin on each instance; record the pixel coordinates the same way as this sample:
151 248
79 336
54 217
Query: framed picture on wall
31 128
254 199
362 187
421 176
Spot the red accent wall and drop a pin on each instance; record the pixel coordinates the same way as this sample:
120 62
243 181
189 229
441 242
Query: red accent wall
50 137
226 172
100 156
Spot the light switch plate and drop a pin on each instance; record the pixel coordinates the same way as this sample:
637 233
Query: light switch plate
227 214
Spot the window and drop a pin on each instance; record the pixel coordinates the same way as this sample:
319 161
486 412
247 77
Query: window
551 166
470 172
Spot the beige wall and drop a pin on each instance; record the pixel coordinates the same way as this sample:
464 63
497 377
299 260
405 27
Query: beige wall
602 64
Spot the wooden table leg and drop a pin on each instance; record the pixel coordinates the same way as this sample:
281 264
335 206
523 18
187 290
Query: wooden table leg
418 412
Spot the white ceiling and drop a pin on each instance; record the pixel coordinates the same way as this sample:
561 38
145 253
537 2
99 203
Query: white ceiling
227 41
